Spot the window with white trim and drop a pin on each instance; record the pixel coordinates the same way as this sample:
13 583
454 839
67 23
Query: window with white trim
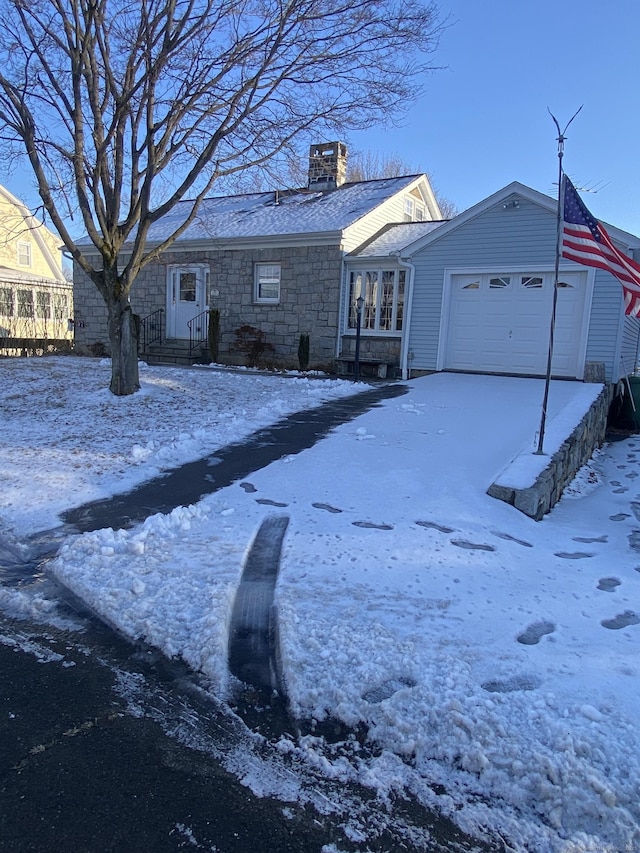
43 304
383 292
408 209
60 306
25 303
24 253
6 302
267 283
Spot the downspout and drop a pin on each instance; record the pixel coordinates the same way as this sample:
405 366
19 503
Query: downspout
404 346
341 304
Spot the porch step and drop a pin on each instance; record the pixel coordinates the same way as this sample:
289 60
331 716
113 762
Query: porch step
174 352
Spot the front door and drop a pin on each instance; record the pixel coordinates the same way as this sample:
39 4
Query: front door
186 298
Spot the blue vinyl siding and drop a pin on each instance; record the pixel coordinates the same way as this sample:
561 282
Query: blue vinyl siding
630 344
520 239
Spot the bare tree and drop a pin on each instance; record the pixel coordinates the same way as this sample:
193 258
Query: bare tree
368 165
124 108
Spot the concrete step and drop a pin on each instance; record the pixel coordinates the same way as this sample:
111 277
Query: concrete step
173 352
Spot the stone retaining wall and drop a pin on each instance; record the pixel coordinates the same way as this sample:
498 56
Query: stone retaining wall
538 499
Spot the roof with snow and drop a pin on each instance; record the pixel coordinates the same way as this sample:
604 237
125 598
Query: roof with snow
394 238
278 213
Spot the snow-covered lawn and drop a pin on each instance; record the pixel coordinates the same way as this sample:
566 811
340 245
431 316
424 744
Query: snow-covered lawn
494 659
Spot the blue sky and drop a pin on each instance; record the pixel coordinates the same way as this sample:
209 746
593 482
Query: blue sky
483 122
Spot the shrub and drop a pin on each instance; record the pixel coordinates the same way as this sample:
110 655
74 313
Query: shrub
252 343
303 352
213 334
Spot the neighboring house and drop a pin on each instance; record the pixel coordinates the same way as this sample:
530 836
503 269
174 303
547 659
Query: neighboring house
479 290
36 301
273 261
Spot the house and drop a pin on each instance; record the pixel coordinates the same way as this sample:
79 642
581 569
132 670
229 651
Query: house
36 301
274 261
479 290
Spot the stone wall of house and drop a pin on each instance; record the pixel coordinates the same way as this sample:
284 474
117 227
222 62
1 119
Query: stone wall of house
542 496
380 347
309 299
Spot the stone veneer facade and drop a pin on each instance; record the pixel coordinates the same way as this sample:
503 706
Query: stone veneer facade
538 499
309 299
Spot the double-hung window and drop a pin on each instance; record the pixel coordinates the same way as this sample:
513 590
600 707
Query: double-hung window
24 253
6 302
383 294
267 283
25 304
43 305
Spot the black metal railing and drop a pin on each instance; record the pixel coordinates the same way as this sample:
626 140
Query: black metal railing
151 328
198 330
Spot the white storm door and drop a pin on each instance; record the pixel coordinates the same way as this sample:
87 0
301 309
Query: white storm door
186 294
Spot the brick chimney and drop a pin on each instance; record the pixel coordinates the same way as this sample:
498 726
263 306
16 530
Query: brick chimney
327 165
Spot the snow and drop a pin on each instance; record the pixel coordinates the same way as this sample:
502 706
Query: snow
395 238
493 658
294 212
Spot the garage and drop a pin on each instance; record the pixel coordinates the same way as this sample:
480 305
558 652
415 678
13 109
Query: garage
498 322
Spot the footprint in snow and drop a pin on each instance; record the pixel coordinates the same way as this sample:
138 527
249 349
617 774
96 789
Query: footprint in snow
535 632
326 507
631 475
471 546
248 487
387 689
441 528
619 491
589 539
268 502
619 516
369 525
622 620
511 538
572 555
509 685
608 584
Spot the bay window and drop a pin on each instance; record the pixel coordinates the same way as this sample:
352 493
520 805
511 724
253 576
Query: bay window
383 292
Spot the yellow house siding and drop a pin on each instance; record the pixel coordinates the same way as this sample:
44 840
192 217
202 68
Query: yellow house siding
22 234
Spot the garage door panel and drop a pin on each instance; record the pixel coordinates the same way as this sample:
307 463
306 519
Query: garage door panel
504 327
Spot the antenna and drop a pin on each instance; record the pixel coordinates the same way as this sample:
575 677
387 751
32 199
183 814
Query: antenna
545 400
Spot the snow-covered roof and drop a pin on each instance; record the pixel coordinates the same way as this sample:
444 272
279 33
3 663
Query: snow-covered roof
270 214
395 238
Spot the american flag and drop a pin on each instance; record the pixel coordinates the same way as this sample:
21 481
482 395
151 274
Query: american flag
585 241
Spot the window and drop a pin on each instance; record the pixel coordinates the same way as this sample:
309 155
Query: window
25 303
6 302
499 282
532 282
187 287
267 283
383 292
24 254
43 305
60 309
408 209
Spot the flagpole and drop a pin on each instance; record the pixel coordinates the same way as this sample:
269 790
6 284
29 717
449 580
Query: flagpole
552 326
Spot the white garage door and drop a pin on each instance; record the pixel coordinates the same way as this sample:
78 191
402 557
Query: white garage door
499 323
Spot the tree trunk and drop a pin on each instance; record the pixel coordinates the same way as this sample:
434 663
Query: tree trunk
123 338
